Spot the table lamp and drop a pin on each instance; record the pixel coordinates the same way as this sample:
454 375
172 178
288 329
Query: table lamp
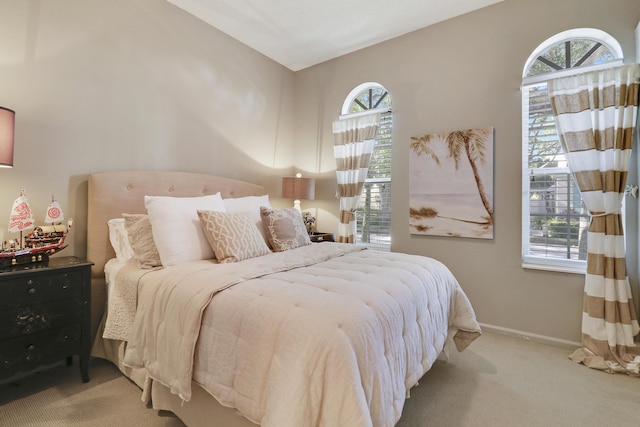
297 188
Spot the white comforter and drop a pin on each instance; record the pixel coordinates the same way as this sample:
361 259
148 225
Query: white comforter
323 335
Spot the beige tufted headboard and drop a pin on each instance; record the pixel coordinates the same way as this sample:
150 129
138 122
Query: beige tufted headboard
111 194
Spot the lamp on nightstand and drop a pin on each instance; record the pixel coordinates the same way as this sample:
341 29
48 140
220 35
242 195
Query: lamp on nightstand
7 124
297 188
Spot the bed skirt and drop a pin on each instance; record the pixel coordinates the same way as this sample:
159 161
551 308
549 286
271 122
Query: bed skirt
202 410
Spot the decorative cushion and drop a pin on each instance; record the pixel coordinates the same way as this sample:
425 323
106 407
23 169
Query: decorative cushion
176 228
119 239
140 237
233 236
249 204
284 228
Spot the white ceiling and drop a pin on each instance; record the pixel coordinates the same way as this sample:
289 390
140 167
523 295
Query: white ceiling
302 33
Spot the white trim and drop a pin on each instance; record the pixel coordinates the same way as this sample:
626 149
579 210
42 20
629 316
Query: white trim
377 180
537 262
577 33
528 336
531 261
558 265
548 171
638 43
541 78
346 107
355 92
524 202
365 112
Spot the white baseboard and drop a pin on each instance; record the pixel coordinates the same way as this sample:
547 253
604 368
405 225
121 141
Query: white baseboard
528 336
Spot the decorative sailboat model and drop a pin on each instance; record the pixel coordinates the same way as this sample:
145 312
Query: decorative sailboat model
41 242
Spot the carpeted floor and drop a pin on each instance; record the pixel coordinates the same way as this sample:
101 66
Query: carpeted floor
498 381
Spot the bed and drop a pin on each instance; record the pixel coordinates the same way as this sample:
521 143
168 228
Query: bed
300 334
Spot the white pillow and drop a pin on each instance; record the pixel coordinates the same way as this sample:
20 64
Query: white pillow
119 239
246 204
249 204
176 228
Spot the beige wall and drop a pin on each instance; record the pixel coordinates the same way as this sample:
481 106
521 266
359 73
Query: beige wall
461 74
121 84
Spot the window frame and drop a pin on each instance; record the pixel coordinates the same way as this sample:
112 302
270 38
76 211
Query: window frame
528 260
387 109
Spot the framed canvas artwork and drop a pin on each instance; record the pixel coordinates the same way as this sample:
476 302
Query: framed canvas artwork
451 184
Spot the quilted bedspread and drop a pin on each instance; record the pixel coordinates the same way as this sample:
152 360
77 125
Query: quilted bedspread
323 335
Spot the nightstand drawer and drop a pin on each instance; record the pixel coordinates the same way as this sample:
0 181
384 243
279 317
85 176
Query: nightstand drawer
30 351
39 317
45 315
36 288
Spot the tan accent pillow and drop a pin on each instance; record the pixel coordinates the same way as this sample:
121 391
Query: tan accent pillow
285 228
233 236
140 237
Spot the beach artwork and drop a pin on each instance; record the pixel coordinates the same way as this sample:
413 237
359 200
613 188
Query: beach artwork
451 184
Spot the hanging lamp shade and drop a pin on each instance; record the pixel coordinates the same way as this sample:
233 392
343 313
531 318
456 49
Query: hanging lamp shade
7 124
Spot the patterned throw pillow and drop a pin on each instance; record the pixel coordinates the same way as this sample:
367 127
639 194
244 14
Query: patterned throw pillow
249 204
233 236
141 240
285 228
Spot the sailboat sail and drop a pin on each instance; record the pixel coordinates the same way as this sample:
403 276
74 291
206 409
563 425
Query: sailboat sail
39 244
54 213
21 218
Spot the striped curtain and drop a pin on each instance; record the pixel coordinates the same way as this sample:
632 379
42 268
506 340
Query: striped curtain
354 143
595 114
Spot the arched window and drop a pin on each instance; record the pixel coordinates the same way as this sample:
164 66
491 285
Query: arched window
374 213
554 219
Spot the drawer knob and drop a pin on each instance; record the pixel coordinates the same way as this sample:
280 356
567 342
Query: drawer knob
32 291
31 355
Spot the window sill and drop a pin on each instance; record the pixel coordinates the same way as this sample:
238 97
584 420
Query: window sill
578 269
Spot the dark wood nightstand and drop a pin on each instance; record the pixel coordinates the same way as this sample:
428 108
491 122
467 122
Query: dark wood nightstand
45 315
322 237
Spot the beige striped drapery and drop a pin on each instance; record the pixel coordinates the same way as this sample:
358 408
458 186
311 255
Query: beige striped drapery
354 143
595 115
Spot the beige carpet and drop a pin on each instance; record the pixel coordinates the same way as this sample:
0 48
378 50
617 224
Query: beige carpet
498 381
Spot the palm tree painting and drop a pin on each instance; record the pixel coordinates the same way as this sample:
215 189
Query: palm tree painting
451 184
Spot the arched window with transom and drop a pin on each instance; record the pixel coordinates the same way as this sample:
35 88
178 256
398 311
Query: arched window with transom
554 219
374 213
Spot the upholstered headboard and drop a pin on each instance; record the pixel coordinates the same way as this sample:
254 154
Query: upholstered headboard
110 194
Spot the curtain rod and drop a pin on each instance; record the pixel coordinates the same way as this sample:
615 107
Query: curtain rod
365 113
